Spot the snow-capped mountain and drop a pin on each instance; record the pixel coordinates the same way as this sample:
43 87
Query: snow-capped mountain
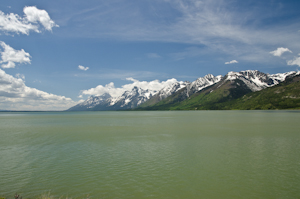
233 92
129 99
133 98
91 102
256 80
166 92
189 88
253 80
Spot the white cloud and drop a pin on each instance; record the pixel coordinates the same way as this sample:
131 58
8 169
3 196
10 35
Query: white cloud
11 56
99 90
9 64
83 68
110 88
232 62
280 51
80 101
15 95
16 24
35 15
13 23
295 61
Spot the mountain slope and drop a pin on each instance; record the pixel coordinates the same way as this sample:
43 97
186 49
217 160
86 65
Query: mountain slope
207 98
285 95
182 90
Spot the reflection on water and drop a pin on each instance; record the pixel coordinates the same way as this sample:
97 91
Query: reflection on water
186 154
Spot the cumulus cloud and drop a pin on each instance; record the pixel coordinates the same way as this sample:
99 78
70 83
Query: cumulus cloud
110 88
35 15
11 56
232 62
15 95
30 22
280 51
83 68
295 61
14 23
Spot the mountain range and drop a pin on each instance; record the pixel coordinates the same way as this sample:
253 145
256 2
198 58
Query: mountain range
208 92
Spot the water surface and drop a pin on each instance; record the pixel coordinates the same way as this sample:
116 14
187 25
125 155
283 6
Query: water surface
169 154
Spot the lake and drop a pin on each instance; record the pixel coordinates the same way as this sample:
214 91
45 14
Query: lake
154 154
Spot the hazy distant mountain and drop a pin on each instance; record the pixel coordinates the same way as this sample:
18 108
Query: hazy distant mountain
128 100
204 93
92 102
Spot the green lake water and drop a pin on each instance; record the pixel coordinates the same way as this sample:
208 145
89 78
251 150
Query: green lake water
159 154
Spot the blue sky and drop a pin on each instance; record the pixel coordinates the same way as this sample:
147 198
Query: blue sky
44 45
